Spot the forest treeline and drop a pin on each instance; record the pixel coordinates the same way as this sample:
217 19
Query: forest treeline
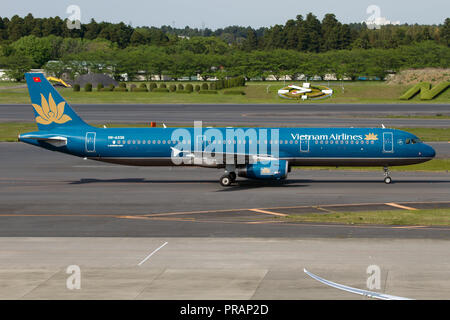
305 45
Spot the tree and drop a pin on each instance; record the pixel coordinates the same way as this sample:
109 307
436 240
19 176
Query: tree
55 68
445 32
331 30
17 65
38 49
251 42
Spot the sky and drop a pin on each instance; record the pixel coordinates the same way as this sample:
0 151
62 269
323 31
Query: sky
215 14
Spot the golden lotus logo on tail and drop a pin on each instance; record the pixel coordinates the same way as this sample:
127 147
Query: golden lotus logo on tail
371 136
49 112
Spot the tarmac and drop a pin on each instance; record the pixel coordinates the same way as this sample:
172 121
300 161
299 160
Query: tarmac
175 233
220 268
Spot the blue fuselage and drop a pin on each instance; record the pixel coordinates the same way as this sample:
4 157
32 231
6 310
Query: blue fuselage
299 146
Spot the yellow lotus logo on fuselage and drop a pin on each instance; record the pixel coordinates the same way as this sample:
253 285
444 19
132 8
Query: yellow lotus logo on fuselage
371 136
49 112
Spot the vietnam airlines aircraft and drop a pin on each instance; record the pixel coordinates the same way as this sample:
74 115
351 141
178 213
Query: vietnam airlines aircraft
255 153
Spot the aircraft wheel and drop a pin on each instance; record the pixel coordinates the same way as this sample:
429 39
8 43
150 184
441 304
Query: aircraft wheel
225 180
387 180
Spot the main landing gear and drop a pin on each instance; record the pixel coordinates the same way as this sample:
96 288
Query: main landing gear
229 177
387 178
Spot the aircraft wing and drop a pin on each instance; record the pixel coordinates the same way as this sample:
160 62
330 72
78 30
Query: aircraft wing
369 294
213 157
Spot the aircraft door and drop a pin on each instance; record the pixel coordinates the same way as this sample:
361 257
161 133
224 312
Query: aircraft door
90 142
200 143
304 144
388 142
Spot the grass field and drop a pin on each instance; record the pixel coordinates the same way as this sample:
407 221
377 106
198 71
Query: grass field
433 217
256 92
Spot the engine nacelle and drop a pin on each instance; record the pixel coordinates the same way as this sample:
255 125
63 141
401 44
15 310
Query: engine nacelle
273 170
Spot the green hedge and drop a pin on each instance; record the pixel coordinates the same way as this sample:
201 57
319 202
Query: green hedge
197 87
160 90
152 86
183 91
172 88
426 93
120 89
205 86
140 89
431 94
234 92
208 92
99 87
415 90
189 87
88 87
76 87
230 83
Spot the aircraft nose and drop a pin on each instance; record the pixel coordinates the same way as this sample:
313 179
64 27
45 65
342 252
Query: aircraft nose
429 152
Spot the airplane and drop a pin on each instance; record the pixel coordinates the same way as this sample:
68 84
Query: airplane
255 153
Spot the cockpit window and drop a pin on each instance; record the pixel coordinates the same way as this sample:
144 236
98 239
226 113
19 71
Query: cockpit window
416 140
408 141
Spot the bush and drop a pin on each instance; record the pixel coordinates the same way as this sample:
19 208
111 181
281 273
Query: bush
160 90
140 89
235 92
163 85
431 94
180 87
414 90
172 88
212 86
189 87
120 89
183 91
204 86
132 87
197 88
76 87
88 87
152 86
208 92
99 87
143 86
122 85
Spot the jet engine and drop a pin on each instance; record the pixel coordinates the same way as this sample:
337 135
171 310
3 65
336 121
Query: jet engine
272 170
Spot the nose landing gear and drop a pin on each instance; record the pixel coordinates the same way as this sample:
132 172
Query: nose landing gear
387 178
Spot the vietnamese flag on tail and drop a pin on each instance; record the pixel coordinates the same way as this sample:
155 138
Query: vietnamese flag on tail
36 79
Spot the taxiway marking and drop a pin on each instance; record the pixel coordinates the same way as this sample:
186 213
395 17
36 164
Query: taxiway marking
269 212
396 205
148 257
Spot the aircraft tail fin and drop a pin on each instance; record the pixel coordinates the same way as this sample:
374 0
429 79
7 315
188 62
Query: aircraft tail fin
50 108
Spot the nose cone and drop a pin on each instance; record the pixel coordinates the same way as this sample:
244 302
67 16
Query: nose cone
428 151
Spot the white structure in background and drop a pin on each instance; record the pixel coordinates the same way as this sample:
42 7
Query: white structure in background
303 90
375 20
4 77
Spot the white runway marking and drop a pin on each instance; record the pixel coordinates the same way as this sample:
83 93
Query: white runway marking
147 257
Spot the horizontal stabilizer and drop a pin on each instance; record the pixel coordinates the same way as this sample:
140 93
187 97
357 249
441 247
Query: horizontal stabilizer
56 141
